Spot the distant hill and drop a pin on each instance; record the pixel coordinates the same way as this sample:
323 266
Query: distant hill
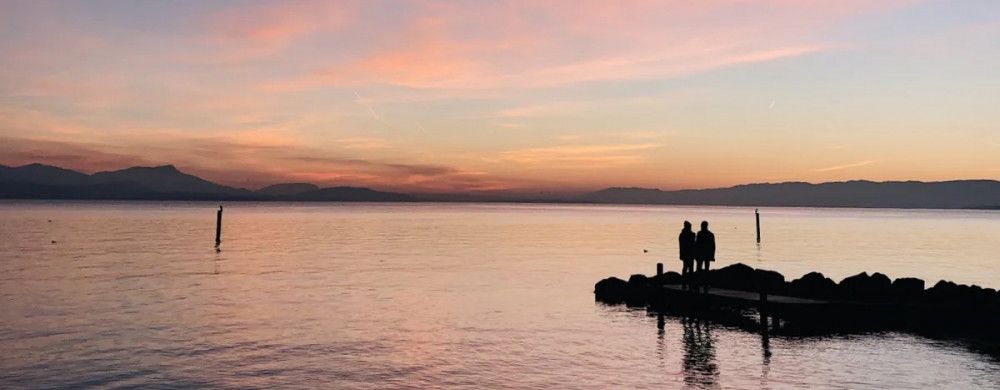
37 181
166 179
43 174
351 194
287 189
106 191
957 194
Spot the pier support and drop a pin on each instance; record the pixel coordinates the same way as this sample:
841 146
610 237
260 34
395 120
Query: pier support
218 227
659 269
762 309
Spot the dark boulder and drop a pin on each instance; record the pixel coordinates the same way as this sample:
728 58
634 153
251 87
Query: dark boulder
667 278
611 290
907 288
976 293
637 280
982 296
768 281
865 287
738 276
881 280
812 285
951 293
943 291
638 287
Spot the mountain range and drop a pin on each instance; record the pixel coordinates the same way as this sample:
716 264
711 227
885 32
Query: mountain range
38 181
957 194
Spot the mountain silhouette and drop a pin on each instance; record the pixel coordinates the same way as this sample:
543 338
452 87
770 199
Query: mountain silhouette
43 174
166 179
956 194
38 181
351 194
287 189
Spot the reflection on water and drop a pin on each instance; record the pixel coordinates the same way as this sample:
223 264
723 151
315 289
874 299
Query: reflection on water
700 368
859 360
443 296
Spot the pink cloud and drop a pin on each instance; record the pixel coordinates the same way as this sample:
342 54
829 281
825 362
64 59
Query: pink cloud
488 46
252 32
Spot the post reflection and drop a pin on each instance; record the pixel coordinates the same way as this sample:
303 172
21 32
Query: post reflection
700 367
765 367
660 332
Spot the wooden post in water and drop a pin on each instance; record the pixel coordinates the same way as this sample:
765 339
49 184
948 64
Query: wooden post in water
756 213
218 227
659 269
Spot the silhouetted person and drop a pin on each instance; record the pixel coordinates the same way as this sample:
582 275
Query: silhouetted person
705 242
686 242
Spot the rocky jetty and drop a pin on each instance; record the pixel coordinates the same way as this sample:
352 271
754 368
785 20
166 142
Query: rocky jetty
862 301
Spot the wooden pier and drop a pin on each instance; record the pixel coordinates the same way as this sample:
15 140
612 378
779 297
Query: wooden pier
813 304
775 313
769 308
738 297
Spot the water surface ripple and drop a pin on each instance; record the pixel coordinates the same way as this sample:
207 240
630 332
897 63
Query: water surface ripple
133 294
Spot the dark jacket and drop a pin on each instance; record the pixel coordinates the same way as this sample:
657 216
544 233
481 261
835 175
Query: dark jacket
706 245
687 244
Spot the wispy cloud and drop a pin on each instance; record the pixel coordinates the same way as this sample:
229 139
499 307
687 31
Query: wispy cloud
580 155
456 46
363 143
510 125
258 31
845 166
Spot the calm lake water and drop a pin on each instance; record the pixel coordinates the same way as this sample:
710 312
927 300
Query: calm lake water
347 296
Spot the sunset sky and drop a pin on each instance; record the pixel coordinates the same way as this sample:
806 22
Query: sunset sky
505 96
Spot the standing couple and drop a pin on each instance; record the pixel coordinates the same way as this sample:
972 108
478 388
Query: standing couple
696 247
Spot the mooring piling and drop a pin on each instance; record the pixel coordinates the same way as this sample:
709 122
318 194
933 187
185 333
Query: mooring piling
756 213
218 227
659 269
